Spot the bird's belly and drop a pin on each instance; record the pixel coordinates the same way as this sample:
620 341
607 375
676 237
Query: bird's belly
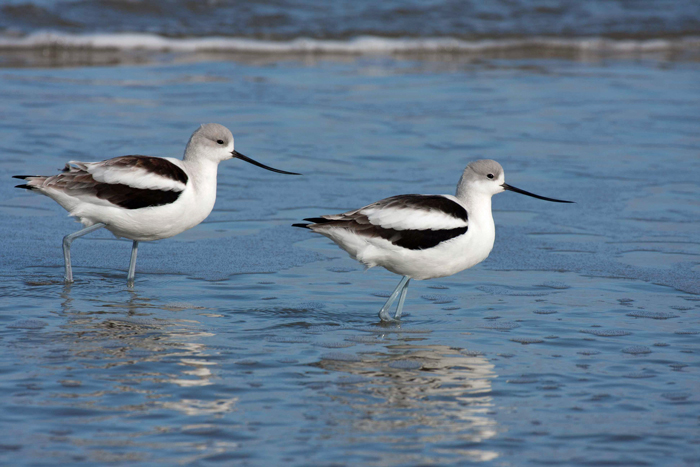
445 259
148 226
151 223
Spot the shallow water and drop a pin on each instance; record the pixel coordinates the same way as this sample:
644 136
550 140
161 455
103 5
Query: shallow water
246 340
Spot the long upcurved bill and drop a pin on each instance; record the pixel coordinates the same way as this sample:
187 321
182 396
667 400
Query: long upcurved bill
238 155
523 192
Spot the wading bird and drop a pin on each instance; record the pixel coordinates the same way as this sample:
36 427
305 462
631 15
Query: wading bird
142 198
423 236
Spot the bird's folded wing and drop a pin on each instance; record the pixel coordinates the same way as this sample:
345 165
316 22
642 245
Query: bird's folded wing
410 212
142 172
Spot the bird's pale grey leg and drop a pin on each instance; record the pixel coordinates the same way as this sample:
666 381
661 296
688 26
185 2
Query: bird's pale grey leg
68 239
384 312
402 298
132 263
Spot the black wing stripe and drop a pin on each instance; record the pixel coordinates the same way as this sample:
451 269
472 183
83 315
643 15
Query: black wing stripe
135 198
409 239
420 239
81 183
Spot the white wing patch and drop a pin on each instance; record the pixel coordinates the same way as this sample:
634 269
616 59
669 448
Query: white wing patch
411 218
135 177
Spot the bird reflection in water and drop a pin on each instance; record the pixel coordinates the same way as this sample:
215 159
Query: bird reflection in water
408 398
151 350
127 360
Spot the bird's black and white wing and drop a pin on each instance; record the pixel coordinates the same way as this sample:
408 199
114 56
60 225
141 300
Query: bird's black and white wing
130 182
414 222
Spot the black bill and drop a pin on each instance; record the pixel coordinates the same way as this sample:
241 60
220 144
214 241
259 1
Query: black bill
523 192
238 155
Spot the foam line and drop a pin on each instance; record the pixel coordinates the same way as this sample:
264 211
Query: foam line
359 45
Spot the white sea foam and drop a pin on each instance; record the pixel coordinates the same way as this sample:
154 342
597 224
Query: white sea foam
358 46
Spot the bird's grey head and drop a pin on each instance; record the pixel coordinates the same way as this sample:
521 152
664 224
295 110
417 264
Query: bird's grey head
210 141
214 142
482 177
486 178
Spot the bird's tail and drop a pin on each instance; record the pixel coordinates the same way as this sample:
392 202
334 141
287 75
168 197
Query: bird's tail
33 181
312 220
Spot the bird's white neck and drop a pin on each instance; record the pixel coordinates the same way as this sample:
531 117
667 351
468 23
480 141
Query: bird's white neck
202 173
478 206
480 222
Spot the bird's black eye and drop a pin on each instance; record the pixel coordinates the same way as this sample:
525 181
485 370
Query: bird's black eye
221 141
490 175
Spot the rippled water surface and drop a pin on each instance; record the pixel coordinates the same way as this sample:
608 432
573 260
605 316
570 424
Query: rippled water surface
284 19
245 340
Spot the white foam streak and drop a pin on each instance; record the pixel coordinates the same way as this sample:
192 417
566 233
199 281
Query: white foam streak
357 46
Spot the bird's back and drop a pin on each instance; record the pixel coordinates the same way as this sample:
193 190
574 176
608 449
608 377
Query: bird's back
137 197
420 236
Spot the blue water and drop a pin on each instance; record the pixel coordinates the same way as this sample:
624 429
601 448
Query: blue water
286 19
246 341
107 32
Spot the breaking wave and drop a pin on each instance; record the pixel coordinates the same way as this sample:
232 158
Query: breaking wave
366 45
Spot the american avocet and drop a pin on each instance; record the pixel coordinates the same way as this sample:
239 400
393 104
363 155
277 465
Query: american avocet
142 198
423 236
